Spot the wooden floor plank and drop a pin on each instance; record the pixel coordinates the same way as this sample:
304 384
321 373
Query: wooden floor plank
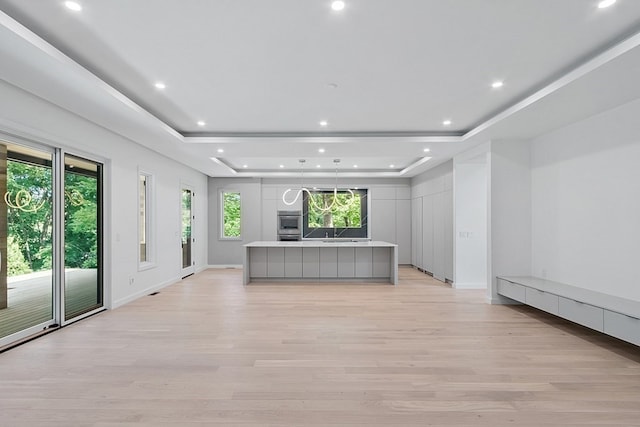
210 352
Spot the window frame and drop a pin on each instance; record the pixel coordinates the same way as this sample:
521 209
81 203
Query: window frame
149 221
221 235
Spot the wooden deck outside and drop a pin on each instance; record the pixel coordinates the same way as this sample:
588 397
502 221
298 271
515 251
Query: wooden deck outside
209 352
30 300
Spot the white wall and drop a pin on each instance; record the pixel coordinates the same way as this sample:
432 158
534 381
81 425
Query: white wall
23 115
509 212
432 221
471 194
586 203
224 252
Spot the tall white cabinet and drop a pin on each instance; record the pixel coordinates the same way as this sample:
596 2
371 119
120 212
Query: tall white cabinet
432 222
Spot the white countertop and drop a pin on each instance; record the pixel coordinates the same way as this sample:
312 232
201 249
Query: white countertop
320 244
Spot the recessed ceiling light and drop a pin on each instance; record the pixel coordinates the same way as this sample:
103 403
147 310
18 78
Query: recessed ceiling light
392 166
160 85
281 166
332 85
245 166
447 123
337 5
355 166
201 123
497 84
220 150
426 150
72 5
317 166
324 123
605 3
320 150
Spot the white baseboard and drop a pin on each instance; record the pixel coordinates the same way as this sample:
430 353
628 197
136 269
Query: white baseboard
225 266
144 292
469 285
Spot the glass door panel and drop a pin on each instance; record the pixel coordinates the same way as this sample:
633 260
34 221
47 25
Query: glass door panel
83 285
26 241
187 238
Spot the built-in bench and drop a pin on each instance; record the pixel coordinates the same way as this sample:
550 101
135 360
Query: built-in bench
618 317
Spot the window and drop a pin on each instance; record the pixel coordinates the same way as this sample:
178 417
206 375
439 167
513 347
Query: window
145 182
327 213
231 227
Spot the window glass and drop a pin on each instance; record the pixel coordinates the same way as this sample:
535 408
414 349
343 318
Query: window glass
331 213
231 215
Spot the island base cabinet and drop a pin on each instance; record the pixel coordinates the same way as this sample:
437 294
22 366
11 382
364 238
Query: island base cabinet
293 262
258 262
311 262
329 262
364 263
275 262
381 262
346 262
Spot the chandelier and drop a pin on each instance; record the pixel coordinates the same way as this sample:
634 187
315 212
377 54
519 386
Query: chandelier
300 192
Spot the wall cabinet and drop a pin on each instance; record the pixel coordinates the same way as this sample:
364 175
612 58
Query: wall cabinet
432 234
416 232
403 230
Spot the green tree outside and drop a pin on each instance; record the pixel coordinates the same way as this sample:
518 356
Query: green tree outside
231 214
324 213
30 218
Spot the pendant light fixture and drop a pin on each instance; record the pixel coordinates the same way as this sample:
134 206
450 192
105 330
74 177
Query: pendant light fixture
334 203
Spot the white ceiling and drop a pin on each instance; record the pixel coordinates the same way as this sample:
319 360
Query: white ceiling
385 75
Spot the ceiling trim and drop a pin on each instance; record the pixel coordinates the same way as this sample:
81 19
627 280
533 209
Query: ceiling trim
591 64
324 174
329 138
574 74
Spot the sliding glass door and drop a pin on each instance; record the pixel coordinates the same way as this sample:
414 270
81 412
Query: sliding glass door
83 288
26 241
44 283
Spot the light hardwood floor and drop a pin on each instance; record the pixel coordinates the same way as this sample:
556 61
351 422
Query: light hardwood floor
210 352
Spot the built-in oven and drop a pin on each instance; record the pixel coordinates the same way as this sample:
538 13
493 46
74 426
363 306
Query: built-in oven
289 225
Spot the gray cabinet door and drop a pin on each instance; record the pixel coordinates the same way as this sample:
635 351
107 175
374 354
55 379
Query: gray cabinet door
275 262
381 262
438 236
292 262
403 231
310 262
346 262
328 262
258 262
364 262
427 233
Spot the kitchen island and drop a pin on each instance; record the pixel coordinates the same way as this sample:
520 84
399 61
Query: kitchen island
321 261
